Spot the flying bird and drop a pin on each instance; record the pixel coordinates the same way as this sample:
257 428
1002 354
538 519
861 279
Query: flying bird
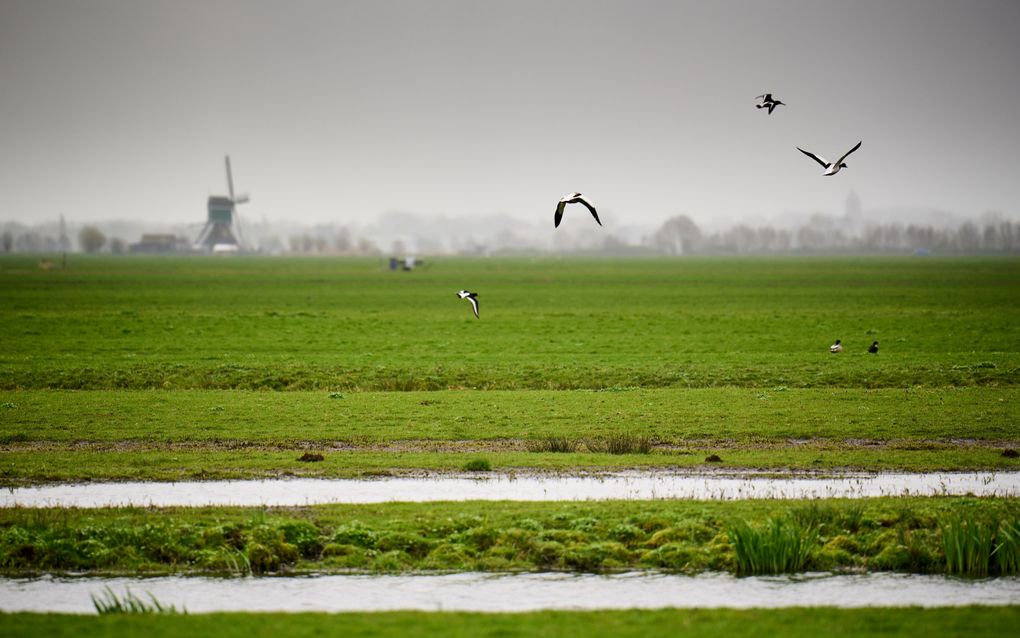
836 347
472 297
873 348
768 103
573 198
830 169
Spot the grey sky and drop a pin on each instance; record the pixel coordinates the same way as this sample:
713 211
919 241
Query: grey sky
337 111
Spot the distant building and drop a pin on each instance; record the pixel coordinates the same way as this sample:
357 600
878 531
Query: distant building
159 244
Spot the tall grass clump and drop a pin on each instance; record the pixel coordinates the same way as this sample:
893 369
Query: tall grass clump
621 443
129 603
781 547
1007 551
968 545
556 444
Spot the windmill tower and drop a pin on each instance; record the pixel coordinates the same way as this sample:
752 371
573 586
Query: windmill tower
223 227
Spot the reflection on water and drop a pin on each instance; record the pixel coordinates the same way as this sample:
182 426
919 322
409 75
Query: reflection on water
634 485
510 593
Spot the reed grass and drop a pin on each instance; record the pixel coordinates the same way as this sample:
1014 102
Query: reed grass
781 546
1007 550
620 443
109 603
977 548
552 444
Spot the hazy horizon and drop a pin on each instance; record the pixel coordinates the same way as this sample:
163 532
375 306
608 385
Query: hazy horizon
341 112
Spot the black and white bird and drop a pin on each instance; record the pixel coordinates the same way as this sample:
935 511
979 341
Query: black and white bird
836 347
830 168
472 297
873 348
573 198
768 103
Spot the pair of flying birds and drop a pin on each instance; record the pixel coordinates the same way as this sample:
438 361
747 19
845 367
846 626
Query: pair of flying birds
831 168
570 198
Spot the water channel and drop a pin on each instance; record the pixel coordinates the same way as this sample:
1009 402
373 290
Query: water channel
631 485
510 593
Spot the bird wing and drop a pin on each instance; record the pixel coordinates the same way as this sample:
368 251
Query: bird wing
847 154
559 213
814 157
474 304
771 106
589 206
767 96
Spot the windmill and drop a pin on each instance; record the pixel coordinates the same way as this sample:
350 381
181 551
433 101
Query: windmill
219 232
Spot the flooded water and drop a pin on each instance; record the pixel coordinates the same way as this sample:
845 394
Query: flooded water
634 485
511 593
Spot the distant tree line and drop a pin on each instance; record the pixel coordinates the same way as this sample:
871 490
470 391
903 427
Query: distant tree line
679 235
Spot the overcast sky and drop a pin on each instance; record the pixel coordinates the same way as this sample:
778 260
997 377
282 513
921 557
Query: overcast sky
336 111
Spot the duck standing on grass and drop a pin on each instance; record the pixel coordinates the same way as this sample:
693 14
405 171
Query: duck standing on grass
836 347
873 348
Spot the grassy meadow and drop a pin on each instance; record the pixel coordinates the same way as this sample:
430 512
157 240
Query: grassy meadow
332 324
162 368
145 368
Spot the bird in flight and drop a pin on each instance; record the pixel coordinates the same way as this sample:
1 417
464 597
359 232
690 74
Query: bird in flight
836 347
873 348
573 198
472 297
768 103
830 168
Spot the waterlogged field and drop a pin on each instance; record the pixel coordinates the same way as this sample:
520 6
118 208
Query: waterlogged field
181 369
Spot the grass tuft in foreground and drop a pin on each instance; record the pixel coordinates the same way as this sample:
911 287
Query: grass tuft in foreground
781 546
110 603
973 547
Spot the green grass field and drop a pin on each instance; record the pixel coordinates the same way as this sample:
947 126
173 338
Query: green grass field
183 369
252 323
974 622
174 363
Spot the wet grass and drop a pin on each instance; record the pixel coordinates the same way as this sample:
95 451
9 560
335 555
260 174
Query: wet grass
977 622
888 534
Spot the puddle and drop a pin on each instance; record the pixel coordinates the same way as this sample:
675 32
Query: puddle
511 593
634 485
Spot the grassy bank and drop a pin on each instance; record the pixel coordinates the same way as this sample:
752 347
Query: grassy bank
917 535
24 465
696 623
